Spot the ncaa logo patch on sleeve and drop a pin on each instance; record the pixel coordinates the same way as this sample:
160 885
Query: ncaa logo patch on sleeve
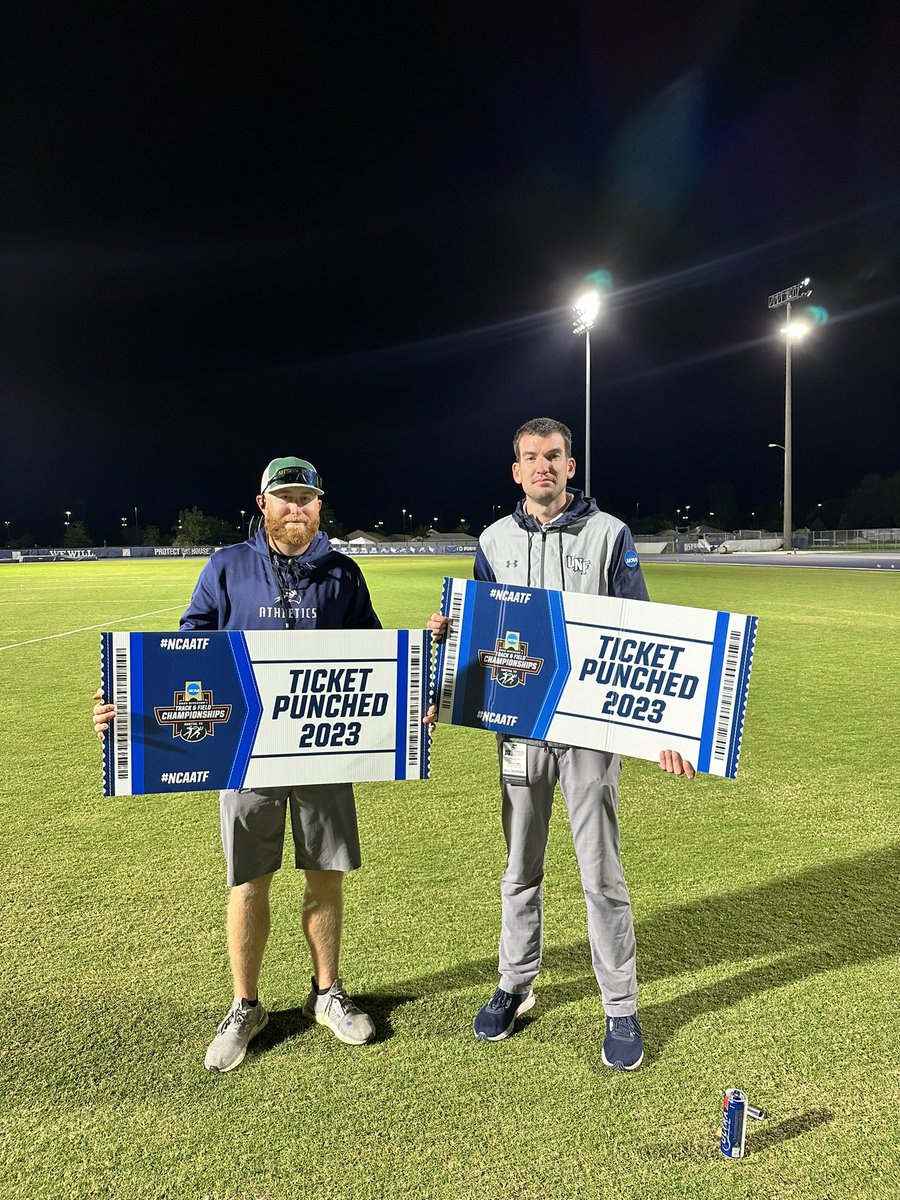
631 559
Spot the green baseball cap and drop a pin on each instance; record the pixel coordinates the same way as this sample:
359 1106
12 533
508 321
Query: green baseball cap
289 473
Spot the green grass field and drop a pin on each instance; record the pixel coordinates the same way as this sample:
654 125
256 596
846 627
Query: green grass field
767 913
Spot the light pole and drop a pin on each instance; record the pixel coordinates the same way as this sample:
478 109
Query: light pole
793 332
124 529
7 524
787 473
586 308
243 514
68 516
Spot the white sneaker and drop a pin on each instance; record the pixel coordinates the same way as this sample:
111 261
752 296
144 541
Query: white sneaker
234 1033
336 1010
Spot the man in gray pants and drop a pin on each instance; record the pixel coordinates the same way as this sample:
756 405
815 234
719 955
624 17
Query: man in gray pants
558 538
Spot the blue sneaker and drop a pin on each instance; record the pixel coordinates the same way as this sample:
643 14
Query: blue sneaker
496 1020
623 1046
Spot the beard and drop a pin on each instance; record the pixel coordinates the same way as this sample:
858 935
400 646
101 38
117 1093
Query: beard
545 495
286 533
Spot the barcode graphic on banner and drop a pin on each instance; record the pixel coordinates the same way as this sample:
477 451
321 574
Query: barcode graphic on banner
726 696
414 705
121 725
451 650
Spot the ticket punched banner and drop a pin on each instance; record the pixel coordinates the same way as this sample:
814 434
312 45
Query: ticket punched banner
626 676
199 711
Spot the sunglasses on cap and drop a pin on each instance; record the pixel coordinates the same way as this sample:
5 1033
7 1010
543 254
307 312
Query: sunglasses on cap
295 477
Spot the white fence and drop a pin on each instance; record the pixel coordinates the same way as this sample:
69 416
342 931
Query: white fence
854 539
686 542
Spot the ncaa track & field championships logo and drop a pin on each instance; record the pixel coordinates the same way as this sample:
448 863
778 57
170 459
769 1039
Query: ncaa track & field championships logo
509 662
193 715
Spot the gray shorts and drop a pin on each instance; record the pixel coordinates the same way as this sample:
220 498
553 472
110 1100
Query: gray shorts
323 822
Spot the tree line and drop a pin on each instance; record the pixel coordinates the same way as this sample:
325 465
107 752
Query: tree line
874 503
193 528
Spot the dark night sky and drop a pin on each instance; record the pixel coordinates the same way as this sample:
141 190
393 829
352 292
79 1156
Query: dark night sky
229 232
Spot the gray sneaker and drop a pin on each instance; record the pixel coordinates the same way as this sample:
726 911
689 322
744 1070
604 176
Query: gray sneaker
241 1024
336 1010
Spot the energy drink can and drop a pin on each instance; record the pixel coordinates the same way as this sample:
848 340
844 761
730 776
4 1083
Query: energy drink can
734 1123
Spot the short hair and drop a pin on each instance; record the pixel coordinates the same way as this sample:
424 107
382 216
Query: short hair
543 427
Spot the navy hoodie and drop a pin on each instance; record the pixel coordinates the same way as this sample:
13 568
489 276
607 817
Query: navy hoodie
320 589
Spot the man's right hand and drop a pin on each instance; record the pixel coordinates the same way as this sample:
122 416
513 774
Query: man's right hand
103 714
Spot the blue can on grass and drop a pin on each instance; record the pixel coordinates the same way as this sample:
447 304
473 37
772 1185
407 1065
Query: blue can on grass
734 1123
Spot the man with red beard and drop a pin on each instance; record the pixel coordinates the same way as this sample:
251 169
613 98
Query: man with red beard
288 576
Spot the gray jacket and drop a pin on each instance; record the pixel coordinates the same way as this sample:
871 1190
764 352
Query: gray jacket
582 550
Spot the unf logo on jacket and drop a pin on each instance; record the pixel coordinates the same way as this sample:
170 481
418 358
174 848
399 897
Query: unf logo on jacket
580 566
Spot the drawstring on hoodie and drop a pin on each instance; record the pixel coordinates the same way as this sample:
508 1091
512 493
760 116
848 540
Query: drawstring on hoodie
287 572
570 521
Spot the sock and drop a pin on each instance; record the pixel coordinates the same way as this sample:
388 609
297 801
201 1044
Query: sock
320 991
249 1003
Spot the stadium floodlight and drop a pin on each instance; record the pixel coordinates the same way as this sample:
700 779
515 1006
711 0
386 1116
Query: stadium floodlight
792 331
68 517
586 309
796 331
